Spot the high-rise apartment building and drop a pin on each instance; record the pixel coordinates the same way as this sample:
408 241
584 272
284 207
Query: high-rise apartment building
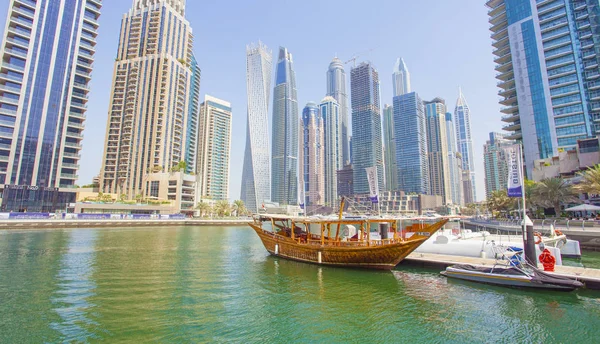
214 148
496 166
149 112
437 149
336 88
333 150
389 149
256 174
47 56
401 78
464 141
411 144
312 157
547 58
454 163
367 147
284 164
191 143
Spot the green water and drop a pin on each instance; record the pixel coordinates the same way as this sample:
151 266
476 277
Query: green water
219 285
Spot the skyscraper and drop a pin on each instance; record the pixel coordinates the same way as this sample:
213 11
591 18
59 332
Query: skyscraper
411 144
389 147
336 88
401 78
214 147
437 149
47 56
256 175
547 58
366 126
496 166
150 111
332 142
284 172
462 125
191 144
312 157
454 163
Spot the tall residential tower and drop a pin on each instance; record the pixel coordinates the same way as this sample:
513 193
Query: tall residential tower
495 162
284 164
389 149
47 56
150 111
332 141
401 78
256 174
547 61
336 88
462 125
437 149
367 150
312 157
214 149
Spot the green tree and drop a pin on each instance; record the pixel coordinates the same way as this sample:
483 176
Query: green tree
222 208
500 202
123 197
139 198
591 181
555 192
239 207
107 198
204 208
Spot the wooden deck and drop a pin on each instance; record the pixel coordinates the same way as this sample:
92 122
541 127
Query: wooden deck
591 277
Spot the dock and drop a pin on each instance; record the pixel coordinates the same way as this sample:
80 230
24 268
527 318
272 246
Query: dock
591 277
114 223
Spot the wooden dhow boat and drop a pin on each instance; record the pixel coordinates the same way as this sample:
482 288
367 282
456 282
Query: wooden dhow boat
331 241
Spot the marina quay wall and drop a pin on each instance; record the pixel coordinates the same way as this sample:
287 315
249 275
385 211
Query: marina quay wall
36 224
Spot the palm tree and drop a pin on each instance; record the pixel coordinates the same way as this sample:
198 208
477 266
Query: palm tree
239 207
204 208
222 208
500 202
591 181
555 192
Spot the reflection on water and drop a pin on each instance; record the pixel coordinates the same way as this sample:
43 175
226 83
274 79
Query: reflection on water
220 285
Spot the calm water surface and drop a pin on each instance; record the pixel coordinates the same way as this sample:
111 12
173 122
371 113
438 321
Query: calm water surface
219 285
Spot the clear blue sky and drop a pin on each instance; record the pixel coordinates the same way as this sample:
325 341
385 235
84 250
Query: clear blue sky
444 43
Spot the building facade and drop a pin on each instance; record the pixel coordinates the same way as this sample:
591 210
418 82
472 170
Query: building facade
312 157
149 111
336 88
367 147
389 149
464 141
495 163
454 163
345 181
214 149
256 173
284 164
47 56
437 149
547 58
401 78
333 146
191 144
411 144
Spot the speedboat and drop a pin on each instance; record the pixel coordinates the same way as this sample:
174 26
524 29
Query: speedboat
512 276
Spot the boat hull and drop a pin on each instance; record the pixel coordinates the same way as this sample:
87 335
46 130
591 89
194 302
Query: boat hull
380 257
502 280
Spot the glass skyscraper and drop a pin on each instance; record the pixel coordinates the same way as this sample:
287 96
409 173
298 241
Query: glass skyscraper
389 149
214 147
437 149
547 61
256 174
411 144
332 141
284 168
464 141
496 164
47 57
401 78
367 147
336 88
454 163
151 100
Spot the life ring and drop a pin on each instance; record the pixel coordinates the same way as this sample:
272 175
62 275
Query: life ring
557 232
539 235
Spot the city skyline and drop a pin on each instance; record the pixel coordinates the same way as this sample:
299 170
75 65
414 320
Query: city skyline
307 90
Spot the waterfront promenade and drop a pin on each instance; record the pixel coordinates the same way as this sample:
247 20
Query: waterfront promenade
114 223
